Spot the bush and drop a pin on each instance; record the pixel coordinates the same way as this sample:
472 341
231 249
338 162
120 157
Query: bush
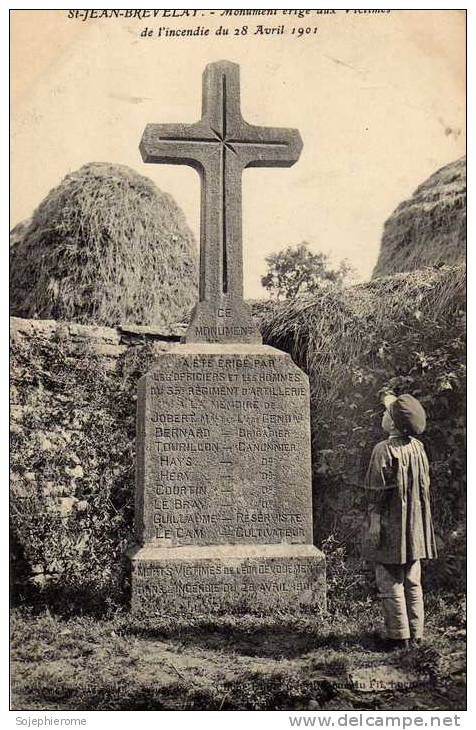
73 455
345 576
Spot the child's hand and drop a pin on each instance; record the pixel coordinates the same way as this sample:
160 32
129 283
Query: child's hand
374 528
371 535
386 396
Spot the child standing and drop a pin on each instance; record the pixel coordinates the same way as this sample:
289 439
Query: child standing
400 529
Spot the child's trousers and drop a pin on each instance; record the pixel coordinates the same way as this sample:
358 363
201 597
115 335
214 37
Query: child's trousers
399 588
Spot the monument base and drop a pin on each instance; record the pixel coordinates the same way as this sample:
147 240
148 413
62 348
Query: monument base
227 579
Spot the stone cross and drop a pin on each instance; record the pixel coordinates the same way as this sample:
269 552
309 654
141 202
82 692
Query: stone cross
220 146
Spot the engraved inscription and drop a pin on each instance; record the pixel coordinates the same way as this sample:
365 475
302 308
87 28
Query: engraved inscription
183 583
226 450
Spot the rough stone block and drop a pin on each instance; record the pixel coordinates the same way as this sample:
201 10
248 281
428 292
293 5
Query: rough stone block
227 579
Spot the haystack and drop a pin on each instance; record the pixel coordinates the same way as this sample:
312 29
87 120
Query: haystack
105 247
429 228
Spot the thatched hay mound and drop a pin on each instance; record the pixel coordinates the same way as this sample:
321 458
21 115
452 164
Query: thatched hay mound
106 246
73 427
407 332
429 228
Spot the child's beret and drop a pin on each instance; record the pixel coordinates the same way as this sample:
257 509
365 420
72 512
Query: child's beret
408 415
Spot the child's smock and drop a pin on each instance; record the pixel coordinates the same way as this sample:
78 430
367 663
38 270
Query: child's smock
398 487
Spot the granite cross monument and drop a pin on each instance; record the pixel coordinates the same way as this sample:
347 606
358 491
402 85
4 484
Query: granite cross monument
220 146
223 478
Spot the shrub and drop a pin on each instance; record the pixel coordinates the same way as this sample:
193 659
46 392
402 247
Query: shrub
73 455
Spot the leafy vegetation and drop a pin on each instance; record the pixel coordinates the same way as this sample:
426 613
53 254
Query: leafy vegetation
296 272
430 227
73 436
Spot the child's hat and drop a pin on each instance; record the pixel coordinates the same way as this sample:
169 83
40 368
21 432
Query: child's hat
408 414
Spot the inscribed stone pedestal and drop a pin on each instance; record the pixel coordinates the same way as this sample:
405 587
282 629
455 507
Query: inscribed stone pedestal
223 484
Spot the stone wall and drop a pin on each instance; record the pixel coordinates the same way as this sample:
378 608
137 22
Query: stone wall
73 393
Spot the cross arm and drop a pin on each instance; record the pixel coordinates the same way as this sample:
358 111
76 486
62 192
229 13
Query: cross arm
177 144
269 146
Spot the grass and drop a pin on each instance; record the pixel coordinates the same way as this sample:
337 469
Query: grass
234 663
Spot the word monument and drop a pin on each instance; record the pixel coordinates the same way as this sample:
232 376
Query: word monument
223 477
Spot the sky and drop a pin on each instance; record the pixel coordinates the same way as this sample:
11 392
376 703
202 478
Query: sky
379 102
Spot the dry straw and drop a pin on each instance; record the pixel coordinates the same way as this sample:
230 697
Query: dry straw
106 247
340 329
430 227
